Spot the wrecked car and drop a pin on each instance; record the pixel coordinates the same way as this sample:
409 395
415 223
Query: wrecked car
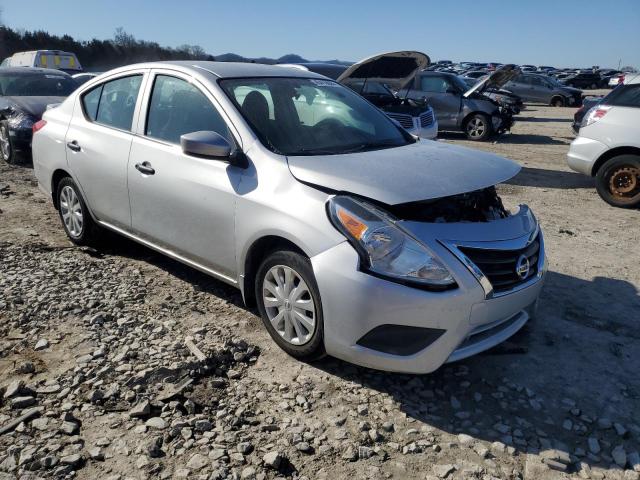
352 237
24 96
460 108
378 78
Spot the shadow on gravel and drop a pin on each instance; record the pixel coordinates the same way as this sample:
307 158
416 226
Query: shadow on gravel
531 139
542 119
113 244
551 409
538 177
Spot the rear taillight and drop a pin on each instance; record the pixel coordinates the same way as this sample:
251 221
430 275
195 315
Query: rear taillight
38 125
595 114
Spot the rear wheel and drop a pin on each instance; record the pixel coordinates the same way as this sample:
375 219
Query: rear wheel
75 216
557 102
478 127
618 181
6 146
289 303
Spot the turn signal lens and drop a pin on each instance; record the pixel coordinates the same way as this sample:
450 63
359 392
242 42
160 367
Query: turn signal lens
38 125
351 223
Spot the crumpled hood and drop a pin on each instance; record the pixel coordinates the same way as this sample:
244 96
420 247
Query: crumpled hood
392 68
420 171
34 106
496 79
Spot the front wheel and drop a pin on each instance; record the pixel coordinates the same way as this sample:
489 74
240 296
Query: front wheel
618 181
558 102
478 127
75 216
6 146
289 303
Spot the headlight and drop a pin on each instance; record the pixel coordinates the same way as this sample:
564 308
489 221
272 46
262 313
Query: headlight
385 249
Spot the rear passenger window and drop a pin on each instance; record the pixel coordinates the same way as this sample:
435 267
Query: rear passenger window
177 107
624 96
113 103
91 101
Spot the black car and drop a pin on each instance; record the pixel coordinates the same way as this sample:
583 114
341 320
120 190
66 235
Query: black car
25 93
582 80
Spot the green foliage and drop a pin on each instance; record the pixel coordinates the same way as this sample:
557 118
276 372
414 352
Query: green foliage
97 55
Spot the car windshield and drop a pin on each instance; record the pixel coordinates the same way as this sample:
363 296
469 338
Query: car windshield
32 85
302 116
460 84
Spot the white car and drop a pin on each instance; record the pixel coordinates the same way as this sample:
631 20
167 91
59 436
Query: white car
608 145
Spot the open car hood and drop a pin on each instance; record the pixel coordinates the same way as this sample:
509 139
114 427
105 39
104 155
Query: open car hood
415 172
496 79
392 68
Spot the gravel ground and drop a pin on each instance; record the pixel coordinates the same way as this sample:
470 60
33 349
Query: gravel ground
120 363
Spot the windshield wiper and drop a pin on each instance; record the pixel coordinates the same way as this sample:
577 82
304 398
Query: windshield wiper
361 147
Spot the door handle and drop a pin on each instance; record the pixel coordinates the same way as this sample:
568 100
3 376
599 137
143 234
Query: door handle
145 167
74 146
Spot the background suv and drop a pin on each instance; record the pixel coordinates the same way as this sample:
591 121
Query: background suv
608 146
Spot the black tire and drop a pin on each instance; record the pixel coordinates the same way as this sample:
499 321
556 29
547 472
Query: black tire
618 181
593 86
314 347
558 102
478 127
7 150
88 232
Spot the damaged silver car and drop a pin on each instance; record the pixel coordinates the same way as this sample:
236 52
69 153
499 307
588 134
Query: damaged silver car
353 237
463 108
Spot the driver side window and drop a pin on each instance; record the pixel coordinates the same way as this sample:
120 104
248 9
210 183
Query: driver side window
113 103
433 84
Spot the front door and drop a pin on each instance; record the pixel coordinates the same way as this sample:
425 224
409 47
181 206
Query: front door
179 202
437 90
98 142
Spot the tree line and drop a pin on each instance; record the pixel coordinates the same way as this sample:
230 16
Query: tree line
97 55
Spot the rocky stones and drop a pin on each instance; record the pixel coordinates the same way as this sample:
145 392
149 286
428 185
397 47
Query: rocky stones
142 409
73 460
594 445
441 471
273 460
619 456
41 344
156 423
14 389
153 447
22 402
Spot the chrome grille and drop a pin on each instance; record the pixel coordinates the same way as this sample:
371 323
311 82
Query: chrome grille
426 119
405 120
499 266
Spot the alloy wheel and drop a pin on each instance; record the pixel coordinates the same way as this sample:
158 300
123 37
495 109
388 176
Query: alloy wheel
71 211
476 127
289 305
5 143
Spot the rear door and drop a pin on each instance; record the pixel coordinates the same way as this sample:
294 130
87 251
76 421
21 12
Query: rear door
182 203
98 142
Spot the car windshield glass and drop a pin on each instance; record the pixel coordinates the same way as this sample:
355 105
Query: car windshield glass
459 83
302 116
30 85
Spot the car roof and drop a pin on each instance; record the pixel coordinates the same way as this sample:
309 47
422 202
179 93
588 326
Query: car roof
33 70
225 69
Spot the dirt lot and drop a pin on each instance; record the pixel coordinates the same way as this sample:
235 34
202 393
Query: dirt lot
119 395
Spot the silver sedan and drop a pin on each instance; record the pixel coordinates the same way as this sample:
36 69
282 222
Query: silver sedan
353 237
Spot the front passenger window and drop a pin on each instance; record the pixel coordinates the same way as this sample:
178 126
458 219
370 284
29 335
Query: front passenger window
177 107
433 84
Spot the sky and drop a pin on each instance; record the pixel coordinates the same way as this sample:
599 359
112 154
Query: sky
559 33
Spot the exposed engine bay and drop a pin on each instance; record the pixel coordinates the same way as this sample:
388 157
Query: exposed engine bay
478 206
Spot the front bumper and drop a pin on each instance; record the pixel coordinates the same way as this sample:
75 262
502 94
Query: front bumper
21 138
470 320
584 152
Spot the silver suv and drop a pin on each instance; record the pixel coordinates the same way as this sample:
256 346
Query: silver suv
353 237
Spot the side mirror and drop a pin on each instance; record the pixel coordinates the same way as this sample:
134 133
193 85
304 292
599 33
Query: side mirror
206 144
